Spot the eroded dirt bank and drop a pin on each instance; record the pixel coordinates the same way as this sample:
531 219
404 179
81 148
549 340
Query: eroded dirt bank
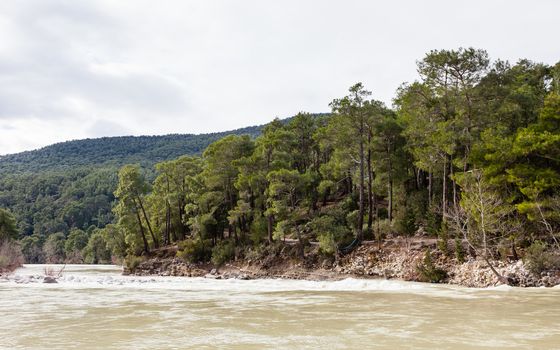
394 259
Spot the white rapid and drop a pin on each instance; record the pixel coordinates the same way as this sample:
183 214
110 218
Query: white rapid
95 307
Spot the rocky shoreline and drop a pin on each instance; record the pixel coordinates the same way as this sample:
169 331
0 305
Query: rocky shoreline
388 261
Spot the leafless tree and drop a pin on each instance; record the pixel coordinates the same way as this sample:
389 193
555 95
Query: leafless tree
481 217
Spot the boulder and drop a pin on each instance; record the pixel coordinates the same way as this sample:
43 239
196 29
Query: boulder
49 279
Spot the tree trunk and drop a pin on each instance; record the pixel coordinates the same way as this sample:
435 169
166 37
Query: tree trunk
360 234
390 209
501 278
370 189
269 227
390 205
513 251
454 184
156 243
181 225
167 224
349 184
430 181
167 238
444 189
301 248
144 240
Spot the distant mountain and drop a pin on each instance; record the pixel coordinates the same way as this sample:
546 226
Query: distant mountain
113 151
70 185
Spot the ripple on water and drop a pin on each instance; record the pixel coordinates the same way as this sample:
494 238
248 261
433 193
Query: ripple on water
96 307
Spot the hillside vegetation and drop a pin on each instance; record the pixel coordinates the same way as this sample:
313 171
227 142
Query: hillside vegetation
470 153
70 185
112 151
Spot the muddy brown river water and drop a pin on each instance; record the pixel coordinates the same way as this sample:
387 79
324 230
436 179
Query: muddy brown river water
94 307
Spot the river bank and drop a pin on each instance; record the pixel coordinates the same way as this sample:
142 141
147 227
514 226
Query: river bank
394 259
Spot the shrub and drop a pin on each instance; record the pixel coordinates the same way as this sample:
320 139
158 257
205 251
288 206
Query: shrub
325 188
32 249
10 256
96 251
329 232
433 221
428 271
258 230
406 222
76 241
539 259
195 250
53 248
352 219
443 238
459 251
223 252
133 261
383 228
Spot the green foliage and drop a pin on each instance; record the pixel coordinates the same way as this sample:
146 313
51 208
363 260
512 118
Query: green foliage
96 250
443 238
8 229
75 242
459 251
384 228
539 258
326 188
429 272
223 252
131 209
330 233
32 249
113 151
258 230
406 222
132 262
536 171
115 239
484 211
352 218
433 221
71 184
195 250
472 144
53 249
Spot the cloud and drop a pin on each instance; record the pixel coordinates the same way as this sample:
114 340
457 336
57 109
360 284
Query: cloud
72 69
107 128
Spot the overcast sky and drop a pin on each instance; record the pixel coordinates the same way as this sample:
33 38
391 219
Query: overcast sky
77 69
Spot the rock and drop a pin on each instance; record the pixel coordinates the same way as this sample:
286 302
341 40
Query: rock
213 271
49 279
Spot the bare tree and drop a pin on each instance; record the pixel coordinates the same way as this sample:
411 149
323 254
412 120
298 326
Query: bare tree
481 217
544 219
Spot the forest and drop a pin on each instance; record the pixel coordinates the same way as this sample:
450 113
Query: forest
69 186
469 152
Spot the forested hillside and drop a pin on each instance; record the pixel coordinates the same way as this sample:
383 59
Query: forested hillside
470 152
69 186
112 151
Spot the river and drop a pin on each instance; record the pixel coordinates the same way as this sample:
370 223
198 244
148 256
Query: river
95 307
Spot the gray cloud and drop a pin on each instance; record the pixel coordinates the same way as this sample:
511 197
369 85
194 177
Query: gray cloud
72 69
107 128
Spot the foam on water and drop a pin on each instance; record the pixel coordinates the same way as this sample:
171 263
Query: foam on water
110 276
94 307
